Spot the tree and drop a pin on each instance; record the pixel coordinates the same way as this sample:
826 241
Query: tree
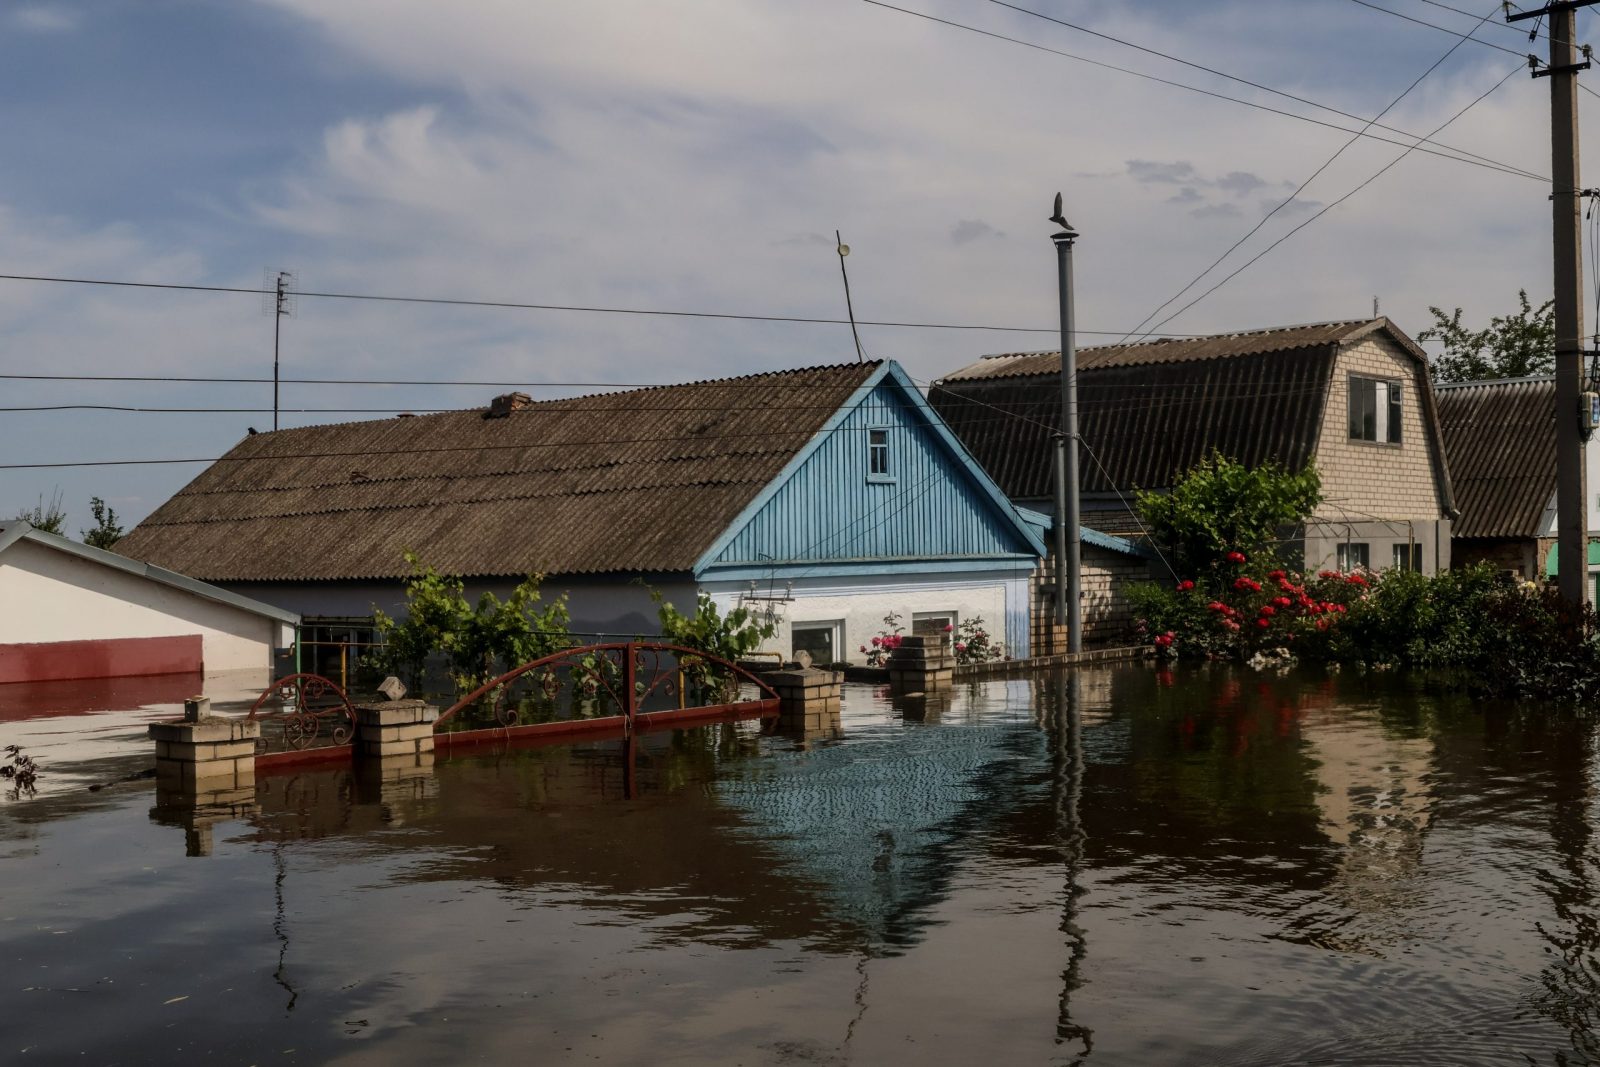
51 518
107 531
1512 346
1221 506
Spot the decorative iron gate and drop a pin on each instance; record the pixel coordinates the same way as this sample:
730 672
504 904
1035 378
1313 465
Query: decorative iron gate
607 688
303 713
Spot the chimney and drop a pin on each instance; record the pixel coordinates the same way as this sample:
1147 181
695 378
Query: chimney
504 405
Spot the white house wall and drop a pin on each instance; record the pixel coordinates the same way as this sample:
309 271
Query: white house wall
48 596
862 603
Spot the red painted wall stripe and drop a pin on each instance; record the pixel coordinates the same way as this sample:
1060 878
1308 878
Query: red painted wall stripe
112 658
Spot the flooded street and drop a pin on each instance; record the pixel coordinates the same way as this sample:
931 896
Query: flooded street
1125 867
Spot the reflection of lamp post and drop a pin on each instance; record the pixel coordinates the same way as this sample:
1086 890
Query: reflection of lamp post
1066 789
280 925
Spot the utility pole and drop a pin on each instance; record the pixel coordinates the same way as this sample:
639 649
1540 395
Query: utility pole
1069 586
1572 512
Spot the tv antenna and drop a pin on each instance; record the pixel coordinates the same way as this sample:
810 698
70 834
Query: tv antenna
844 250
278 289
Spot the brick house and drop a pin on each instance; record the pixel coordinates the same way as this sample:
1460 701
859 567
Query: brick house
1500 437
1355 398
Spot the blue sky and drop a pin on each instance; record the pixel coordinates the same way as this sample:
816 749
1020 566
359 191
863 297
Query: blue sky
694 155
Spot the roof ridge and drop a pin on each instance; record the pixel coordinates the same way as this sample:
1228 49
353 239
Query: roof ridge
1191 338
867 365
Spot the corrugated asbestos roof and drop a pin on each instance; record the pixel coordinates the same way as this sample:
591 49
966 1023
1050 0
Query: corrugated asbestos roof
1150 411
643 480
1501 440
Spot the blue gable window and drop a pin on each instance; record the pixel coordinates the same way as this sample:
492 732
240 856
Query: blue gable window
878 467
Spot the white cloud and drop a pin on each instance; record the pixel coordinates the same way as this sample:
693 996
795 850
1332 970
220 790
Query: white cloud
40 18
700 155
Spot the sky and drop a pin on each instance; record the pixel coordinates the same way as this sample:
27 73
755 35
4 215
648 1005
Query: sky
698 156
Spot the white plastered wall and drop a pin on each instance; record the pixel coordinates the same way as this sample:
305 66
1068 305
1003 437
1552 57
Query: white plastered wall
862 603
48 596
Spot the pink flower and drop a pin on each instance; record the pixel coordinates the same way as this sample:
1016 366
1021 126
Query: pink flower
1268 609
876 641
1235 557
948 627
1263 623
1185 585
1277 575
1283 601
961 646
863 648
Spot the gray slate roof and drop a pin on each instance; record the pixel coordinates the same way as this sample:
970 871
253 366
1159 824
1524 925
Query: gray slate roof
636 481
1150 411
1501 440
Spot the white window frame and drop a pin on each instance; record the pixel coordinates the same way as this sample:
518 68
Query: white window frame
953 617
878 444
836 626
1387 411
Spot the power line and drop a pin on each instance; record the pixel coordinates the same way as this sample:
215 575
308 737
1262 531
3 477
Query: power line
1301 187
1374 177
1498 167
1524 56
1369 123
522 306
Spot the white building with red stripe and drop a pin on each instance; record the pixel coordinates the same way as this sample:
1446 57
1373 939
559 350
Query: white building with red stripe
69 611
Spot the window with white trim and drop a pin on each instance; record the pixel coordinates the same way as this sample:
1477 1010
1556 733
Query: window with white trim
820 639
1374 409
933 623
878 467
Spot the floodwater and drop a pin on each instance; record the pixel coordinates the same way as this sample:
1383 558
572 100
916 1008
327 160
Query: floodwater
1127 867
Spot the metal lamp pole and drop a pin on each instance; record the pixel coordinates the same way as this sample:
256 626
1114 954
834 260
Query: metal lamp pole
1069 603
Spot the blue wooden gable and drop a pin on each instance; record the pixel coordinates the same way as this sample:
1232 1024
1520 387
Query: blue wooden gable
829 505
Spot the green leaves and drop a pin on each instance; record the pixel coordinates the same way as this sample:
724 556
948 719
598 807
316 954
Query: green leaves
478 641
731 637
1221 506
1512 346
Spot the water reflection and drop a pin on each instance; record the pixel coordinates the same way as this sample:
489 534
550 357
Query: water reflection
1111 866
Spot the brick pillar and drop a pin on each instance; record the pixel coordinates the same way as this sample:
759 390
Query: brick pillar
204 752
400 730
808 701
920 664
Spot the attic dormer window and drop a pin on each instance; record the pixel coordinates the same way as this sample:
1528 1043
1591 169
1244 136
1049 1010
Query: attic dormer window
878 467
1374 410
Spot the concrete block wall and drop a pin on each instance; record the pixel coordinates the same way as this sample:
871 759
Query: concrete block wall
1107 613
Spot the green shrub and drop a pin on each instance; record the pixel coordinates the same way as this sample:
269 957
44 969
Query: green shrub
478 641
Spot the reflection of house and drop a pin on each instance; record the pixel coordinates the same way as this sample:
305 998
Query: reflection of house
70 611
1352 397
1501 440
1376 800
830 496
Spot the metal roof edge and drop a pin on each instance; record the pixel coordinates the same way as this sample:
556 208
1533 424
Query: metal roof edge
23 531
1530 379
1113 544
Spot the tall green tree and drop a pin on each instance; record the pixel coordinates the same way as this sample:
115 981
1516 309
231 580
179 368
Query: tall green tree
107 531
1517 345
